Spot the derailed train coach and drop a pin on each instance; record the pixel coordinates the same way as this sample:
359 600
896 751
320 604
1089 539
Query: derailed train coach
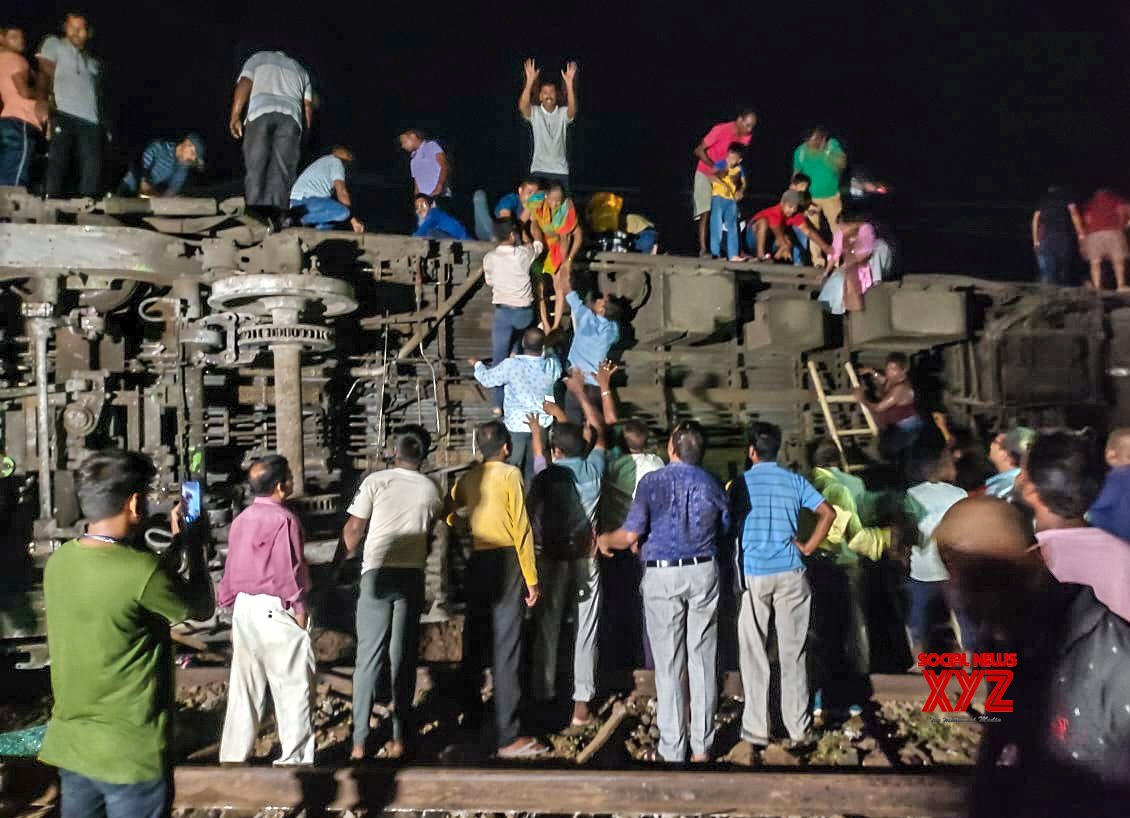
181 328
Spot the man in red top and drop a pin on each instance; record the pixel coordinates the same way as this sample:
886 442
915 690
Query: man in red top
1105 216
786 213
710 150
266 579
23 113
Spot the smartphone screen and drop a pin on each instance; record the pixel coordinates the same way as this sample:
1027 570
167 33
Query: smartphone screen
190 494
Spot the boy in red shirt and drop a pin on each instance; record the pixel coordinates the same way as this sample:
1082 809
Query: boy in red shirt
786 213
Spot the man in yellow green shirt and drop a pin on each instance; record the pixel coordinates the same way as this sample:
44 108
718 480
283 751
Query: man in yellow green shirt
109 605
839 624
490 501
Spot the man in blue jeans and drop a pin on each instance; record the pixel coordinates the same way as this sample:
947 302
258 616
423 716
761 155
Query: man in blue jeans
506 270
320 195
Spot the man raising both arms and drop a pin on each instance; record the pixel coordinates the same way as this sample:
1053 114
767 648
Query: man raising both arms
549 122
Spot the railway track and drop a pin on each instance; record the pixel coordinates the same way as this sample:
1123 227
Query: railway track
28 787
592 784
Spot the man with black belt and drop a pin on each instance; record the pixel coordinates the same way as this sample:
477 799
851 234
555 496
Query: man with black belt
276 91
679 513
72 76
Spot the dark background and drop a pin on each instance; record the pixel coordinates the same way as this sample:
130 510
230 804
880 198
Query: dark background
968 110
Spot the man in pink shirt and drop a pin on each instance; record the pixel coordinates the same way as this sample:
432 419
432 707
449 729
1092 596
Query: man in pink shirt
1060 480
709 151
22 114
266 579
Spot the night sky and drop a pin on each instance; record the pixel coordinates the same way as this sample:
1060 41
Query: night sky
949 101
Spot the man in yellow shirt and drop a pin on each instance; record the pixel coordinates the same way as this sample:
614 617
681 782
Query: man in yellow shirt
489 500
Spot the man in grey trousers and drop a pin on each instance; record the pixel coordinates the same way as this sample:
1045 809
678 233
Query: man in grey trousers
767 500
679 513
276 92
399 507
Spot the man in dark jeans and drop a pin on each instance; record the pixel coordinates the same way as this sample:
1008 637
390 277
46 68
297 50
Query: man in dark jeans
72 76
276 92
488 501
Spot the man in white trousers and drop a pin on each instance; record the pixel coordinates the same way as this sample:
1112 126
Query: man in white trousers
267 580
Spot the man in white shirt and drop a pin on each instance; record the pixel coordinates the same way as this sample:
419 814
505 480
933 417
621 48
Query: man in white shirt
399 507
276 92
549 122
506 270
930 473
72 76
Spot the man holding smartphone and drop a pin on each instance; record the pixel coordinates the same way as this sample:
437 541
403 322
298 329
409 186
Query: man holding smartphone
266 582
109 606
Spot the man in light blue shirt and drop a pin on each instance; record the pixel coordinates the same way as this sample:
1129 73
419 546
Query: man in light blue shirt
767 500
1006 453
527 379
320 193
595 331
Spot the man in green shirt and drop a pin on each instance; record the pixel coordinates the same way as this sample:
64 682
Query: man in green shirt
822 160
109 606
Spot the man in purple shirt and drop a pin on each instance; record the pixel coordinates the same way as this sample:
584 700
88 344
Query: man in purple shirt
266 579
429 166
679 513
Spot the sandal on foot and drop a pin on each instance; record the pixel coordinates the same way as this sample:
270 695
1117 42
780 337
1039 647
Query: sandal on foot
531 749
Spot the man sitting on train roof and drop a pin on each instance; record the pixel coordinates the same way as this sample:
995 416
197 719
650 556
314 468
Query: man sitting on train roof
320 198
433 223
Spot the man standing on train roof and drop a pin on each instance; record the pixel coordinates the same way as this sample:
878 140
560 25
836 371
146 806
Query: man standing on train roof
711 149
549 122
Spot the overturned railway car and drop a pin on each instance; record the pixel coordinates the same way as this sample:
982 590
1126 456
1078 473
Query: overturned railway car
181 328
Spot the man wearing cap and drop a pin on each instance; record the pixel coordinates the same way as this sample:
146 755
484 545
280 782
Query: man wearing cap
1006 453
164 169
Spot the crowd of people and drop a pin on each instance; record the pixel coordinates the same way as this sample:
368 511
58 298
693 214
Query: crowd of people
1021 545
58 101
982 537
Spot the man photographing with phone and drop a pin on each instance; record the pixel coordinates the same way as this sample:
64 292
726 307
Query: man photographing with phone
109 606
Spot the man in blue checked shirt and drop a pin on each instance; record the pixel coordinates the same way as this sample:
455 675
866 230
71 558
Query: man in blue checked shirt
527 379
766 502
678 516
164 168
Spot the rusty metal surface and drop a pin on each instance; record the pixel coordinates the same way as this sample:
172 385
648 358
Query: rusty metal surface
164 322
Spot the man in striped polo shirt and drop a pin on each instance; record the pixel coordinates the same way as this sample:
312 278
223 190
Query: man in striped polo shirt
766 502
164 168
